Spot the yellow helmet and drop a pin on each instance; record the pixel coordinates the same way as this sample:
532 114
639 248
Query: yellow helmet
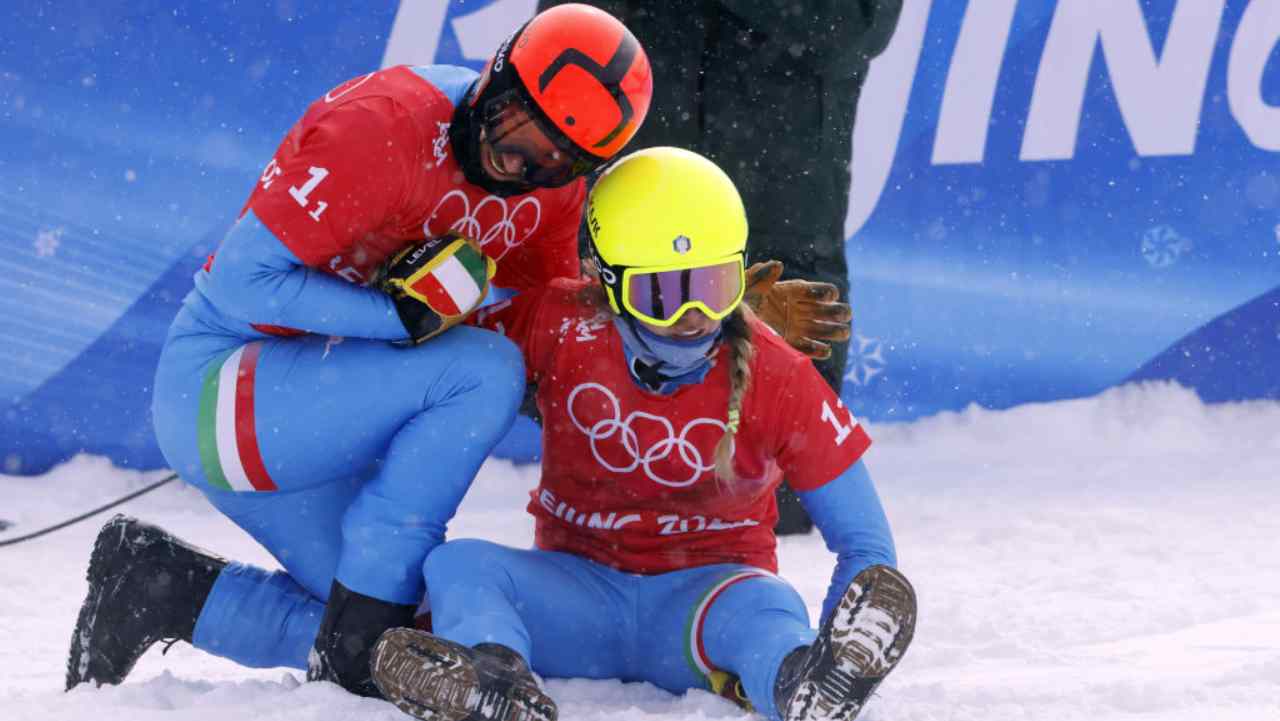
669 233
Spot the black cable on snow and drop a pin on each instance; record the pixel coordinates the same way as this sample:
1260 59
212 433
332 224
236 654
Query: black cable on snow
82 516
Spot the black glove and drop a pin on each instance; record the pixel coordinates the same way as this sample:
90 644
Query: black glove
436 283
352 623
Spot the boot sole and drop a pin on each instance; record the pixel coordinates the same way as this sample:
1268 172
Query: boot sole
868 632
82 635
432 679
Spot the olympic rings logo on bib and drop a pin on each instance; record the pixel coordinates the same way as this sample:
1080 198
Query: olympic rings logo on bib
509 225
615 425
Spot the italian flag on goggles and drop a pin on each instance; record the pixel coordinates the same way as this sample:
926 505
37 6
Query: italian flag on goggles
660 296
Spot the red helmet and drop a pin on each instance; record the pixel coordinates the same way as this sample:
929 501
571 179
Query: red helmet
587 74
583 79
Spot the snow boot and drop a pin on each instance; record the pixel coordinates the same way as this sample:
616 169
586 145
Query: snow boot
351 625
857 646
144 585
434 679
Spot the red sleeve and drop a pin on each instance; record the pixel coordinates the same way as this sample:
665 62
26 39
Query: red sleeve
341 173
818 437
553 251
526 321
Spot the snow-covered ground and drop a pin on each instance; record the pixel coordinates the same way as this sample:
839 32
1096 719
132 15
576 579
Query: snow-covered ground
1114 558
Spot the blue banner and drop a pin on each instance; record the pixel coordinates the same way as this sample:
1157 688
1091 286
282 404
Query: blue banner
1067 190
131 135
1049 198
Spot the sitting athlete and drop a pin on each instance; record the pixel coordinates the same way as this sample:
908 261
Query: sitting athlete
292 390
670 414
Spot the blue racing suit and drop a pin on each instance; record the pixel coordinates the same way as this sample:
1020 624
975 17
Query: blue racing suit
571 617
279 392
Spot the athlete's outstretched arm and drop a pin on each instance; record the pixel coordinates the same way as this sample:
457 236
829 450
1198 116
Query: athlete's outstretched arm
256 278
848 513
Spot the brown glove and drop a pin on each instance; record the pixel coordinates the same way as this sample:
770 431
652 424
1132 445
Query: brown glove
808 315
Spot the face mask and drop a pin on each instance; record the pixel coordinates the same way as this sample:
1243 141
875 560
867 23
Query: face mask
664 364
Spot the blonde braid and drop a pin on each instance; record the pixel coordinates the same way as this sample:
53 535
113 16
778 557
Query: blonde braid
737 333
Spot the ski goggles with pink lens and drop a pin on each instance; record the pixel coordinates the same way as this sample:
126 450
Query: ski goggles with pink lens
661 295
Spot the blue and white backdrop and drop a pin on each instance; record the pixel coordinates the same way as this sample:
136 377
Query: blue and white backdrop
1050 198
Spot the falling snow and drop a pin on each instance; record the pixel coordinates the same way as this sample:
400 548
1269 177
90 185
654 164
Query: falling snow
47 242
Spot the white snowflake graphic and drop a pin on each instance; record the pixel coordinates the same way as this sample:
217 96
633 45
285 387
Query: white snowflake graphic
585 329
1163 246
866 360
47 242
1277 231
440 146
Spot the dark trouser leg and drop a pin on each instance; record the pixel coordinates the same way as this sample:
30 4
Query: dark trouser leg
827 265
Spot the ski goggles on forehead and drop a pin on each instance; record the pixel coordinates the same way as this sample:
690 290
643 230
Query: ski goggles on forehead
660 296
550 159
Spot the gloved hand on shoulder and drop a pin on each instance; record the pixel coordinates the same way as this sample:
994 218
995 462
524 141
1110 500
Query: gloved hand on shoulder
808 315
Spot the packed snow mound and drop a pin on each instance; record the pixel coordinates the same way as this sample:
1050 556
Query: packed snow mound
1098 559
